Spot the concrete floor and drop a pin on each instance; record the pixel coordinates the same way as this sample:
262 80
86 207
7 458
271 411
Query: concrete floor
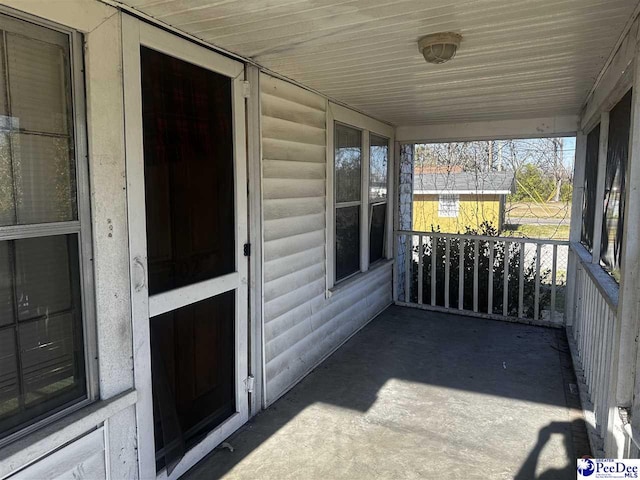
421 395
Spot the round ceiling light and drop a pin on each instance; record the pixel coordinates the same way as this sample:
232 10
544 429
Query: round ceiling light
439 47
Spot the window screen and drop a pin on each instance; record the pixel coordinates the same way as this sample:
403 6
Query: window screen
615 185
378 185
41 334
348 199
590 186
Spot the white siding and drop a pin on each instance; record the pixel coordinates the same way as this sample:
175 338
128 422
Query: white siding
82 459
302 326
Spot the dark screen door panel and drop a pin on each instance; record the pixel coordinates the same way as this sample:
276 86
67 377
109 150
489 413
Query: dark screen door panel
189 202
192 361
189 177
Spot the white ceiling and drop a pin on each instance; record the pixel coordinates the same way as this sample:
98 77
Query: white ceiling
518 58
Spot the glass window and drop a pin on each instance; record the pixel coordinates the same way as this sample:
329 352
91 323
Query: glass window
378 185
42 368
448 205
590 186
615 185
348 199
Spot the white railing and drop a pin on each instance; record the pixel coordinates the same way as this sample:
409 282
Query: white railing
592 330
487 276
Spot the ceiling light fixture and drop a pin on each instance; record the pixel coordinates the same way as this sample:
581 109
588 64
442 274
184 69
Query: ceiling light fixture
439 47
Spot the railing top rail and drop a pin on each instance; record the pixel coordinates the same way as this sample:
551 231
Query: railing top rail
462 236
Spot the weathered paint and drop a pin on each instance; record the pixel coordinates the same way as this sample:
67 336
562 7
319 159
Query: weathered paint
301 325
473 212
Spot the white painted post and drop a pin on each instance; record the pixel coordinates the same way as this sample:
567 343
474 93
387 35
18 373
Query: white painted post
626 371
461 276
490 289
575 231
447 270
420 267
475 275
505 292
434 248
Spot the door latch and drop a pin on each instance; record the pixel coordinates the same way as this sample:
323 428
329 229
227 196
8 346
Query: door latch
249 383
247 249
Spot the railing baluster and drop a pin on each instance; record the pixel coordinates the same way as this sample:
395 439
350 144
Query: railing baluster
461 276
521 283
420 267
536 302
408 240
554 269
505 293
490 289
476 252
434 249
447 270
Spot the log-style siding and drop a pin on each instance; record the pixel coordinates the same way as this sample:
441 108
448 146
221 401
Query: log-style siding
302 326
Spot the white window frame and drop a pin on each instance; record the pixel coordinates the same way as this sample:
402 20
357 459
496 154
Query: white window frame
367 125
448 205
31 27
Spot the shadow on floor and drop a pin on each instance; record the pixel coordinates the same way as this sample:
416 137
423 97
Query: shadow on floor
421 395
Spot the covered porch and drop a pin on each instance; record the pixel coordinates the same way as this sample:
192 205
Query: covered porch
289 321
421 395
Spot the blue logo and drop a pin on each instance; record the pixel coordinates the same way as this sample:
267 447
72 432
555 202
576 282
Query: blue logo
586 467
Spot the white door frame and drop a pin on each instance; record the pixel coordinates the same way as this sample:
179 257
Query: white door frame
136 33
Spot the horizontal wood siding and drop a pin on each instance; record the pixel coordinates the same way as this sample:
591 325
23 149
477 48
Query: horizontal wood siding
302 326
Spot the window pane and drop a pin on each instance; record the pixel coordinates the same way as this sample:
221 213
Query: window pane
9 386
347 241
376 234
6 285
614 197
44 179
43 282
38 85
189 172
37 173
448 206
348 154
590 185
7 199
41 279
378 167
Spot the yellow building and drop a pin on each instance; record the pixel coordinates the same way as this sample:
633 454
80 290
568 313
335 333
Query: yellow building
455 202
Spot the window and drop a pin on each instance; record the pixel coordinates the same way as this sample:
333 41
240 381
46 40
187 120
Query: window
378 180
590 187
615 186
348 199
43 231
448 205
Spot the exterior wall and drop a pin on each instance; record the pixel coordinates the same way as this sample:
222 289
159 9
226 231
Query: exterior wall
99 440
620 73
474 210
303 322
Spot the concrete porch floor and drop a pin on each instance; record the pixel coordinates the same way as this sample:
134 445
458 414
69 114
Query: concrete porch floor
417 394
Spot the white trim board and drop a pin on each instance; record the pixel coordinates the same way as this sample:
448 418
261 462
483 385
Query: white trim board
564 126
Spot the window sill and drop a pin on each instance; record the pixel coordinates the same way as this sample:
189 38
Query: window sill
41 442
358 277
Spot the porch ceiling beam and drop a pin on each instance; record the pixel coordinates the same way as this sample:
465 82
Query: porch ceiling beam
491 130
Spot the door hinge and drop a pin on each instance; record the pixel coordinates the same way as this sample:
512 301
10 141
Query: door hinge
246 89
247 249
249 383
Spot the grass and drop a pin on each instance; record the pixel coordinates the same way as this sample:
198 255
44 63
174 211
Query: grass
554 232
550 210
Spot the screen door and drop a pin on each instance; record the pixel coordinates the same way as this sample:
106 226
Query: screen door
191 209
